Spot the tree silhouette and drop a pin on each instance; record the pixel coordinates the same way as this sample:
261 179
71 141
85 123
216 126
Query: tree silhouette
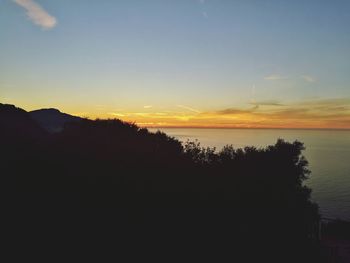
110 176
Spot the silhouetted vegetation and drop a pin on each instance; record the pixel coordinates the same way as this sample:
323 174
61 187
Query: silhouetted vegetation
336 229
147 194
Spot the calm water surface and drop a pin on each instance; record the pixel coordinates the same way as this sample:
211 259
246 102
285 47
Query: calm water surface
328 153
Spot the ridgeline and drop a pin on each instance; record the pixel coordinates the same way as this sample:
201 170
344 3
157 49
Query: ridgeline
148 195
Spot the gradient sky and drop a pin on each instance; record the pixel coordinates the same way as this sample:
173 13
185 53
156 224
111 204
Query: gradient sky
191 63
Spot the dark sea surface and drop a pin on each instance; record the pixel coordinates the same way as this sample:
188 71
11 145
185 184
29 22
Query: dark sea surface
328 153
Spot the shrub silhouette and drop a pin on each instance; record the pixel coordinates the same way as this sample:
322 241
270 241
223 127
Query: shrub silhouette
158 196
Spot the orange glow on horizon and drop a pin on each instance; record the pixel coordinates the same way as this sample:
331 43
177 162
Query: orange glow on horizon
312 114
278 120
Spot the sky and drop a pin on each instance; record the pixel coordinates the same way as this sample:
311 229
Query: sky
183 63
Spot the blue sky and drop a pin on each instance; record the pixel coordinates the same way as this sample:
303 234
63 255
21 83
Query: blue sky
96 58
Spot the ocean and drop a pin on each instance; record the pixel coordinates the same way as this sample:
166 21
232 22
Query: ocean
328 153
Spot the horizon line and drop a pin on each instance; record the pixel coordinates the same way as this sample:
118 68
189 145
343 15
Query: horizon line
242 128
159 126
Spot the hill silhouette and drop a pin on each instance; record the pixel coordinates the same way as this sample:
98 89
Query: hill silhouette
15 123
148 195
52 120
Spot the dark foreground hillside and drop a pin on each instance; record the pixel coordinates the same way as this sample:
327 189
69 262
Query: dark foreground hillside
112 185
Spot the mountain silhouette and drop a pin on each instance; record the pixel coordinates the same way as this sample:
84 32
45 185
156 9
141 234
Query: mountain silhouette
16 123
52 120
153 194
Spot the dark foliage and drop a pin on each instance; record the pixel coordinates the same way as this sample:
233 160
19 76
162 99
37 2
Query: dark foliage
145 195
336 229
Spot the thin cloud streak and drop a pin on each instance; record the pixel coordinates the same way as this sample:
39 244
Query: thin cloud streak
116 114
308 114
188 108
37 14
315 114
274 77
266 103
230 111
308 78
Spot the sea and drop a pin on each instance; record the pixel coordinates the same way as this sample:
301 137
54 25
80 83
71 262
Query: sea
328 153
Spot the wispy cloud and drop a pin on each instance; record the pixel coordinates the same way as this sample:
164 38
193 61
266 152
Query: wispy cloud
316 113
311 113
274 77
147 106
188 108
202 6
308 78
5 99
232 111
266 103
319 113
116 114
37 14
